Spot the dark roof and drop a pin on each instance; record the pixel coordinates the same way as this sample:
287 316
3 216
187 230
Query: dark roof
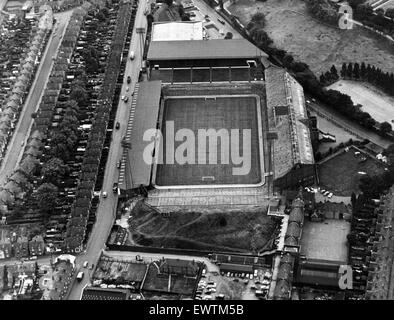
138 172
293 230
232 267
104 294
203 49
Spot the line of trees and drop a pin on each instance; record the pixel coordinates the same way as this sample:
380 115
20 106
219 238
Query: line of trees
364 13
336 100
355 71
323 10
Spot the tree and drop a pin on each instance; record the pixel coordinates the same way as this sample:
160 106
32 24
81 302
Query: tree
79 94
47 195
53 171
390 13
228 35
334 73
343 70
356 71
349 71
385 127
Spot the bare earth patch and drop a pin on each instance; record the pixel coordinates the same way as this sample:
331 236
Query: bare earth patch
310 41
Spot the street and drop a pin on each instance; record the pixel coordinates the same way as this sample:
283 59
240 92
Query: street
24 125
106 211
348 125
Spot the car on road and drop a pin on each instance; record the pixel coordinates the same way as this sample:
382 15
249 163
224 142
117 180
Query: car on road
127 89
126 98
122 98
91 266
221 21
128 79
85 264
118 164
117 126
80 276
132 55
115 187
104 194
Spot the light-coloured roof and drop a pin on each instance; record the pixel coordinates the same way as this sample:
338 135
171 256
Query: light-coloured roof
178 30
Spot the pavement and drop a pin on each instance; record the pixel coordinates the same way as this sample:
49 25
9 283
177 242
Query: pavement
24 125
106 211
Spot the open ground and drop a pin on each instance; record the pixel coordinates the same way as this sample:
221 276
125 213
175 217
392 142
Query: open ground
340 174
235 112
378 104
248 230
313 42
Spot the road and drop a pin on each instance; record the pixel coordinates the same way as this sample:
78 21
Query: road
205 9
347 124
24 125
106 210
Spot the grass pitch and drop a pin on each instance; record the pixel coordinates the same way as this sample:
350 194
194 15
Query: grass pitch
238 112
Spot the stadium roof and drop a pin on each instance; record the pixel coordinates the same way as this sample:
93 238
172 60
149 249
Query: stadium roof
177 30
288 117
203 49
146 113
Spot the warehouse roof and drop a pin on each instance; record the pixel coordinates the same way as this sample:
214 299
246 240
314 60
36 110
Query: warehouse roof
203 49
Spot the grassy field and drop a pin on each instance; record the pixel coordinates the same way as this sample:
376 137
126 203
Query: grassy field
231 230
378 104
310 41
220 113
340 173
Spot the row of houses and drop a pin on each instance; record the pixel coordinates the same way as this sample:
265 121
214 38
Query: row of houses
22 73
80 210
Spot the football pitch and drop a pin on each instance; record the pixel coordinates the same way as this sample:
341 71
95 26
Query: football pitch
233 137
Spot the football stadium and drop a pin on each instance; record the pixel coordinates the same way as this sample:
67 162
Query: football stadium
208 157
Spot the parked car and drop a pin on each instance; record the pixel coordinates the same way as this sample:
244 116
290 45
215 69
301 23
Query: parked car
128 79
118 164
115 187
126 98
117 126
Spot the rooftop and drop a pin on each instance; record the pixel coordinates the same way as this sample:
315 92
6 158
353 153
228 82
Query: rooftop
325 240
177 30
203 49
288 117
